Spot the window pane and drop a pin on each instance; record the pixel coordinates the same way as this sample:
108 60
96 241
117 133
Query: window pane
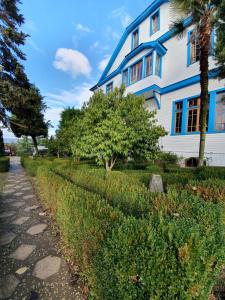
135 39
193 115
158 65
155 23
220 112
149 65
125 77
195 49
109 88
178 122
136 72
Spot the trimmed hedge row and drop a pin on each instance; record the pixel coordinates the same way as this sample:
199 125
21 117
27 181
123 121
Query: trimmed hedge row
4 164
176 252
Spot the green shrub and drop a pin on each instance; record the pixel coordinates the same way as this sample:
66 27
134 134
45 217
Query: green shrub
31 165
168 157
210 172
212 190
85 219
4 164
120 190
177 254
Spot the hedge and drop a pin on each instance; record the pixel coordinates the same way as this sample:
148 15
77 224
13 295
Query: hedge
212 190
4 164
176 252
85 219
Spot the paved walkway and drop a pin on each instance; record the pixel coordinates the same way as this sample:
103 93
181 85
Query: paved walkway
31 266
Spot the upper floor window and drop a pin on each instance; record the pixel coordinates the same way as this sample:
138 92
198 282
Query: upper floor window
109 88
135 39
178 116
149 65
154 23
194 48
125 77
158 65
136 72
220 111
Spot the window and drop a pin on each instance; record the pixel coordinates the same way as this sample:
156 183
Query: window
220 111
125 77
135 39
154 23
158 65
109 88
136 72
194 48
178 116
193 115
149 65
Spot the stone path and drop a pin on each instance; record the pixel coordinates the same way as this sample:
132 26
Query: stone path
31 265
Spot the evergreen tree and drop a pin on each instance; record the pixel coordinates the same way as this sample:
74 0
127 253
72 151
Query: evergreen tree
11 38
29 120
2 150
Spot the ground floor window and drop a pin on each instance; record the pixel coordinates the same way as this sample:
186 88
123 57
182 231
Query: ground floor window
187 112
220 111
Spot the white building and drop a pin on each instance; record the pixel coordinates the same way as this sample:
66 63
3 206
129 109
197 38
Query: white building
165 69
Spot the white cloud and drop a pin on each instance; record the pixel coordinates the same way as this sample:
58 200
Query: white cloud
95 45
103 63
34 46
110 33
53 114
82 28
73 62
123 15
74 97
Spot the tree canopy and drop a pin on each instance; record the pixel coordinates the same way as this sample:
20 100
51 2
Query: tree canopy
116 125
220 38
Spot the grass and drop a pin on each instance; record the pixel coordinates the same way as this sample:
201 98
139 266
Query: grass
2 181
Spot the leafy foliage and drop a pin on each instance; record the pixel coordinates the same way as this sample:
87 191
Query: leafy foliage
4 164
2 149
220 38
115 126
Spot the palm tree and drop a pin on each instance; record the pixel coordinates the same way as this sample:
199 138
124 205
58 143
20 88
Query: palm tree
203 13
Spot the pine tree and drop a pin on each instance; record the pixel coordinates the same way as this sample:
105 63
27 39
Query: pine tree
2 150
11 38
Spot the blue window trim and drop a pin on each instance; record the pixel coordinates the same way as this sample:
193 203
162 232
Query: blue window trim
157 12
212 111
189 46
107 87
132 38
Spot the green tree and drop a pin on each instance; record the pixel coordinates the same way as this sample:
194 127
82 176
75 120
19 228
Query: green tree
11 38
66 132
220 38
117 125
2 148
29 120
203 15
24 147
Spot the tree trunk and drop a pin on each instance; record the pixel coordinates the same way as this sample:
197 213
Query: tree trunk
35 145
204 41
109 164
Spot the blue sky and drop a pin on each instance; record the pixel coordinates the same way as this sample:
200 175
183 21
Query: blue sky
69 45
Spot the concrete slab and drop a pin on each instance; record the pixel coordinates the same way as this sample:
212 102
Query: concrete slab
36 229
20 221
6 237
8 285
7 214
47 267
22 252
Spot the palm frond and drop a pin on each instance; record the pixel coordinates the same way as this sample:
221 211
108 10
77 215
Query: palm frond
177 27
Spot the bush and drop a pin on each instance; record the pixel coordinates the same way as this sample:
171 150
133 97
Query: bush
120 190
4 164
85 219
210 172
168 157
31 165
177 254
211 190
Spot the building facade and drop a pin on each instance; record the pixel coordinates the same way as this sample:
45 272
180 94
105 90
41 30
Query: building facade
152 62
